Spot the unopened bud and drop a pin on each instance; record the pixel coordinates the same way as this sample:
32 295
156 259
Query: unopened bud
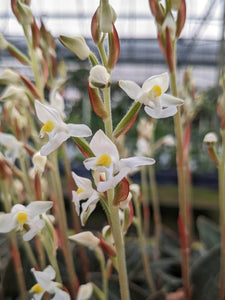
9 76
13 92
171 24
3 42
210 139
85 291
107 234
135 188
107 17
99 77
175 4
25 13
77 45
39 162
125 204
85 238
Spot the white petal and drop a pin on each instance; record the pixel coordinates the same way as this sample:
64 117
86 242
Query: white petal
34 229
79 130
42 278
92 200
130 88
54 142
39 207
76 202
7 222
85 238
89 163
101 144
154 113
86 213
168 100
161 80
9 140
47 113
136 161
163 113
50 272
82 182
60 295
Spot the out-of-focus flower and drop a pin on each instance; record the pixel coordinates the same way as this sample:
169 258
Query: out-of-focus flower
85 291
107 161
45 283
152 94
13 147
39 162
210 139
9 76
99 77
21 215
84 191
56 129
85 238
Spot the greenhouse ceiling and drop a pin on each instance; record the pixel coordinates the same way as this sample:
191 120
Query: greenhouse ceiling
200 44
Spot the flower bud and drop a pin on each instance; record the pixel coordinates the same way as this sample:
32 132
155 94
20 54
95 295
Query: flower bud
13 92
85 238
25 13
3 42
85 291
99 77
210 139
171 24
39 162
175 4
125 204
107 16
77 45
107 234
135 188
9 76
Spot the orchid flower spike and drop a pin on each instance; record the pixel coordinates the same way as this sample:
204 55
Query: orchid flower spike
56 129
107 162
13 147
45 283
84 191
21 215
152 94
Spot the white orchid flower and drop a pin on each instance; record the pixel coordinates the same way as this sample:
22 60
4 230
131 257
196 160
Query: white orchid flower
21 215
45 283
107 161
13 147
84 191
56 129
152 94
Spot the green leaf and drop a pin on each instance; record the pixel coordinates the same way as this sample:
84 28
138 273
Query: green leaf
205 275
209 232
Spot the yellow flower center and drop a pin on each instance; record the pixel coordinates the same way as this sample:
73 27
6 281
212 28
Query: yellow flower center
79 190
48 126
103 160
36 288
21 218
155 92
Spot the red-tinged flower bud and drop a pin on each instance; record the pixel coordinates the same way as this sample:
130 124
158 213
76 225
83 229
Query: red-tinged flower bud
35 34
97 103
122 192
157 11
181 18
108 248
95 30
114 48
169 51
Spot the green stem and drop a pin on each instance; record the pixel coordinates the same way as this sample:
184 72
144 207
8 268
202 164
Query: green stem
62 221
101 259
181 187
14 247
34 64
108 121
114 214
120 249
142 243
156 206
222 216
145 197
102 52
